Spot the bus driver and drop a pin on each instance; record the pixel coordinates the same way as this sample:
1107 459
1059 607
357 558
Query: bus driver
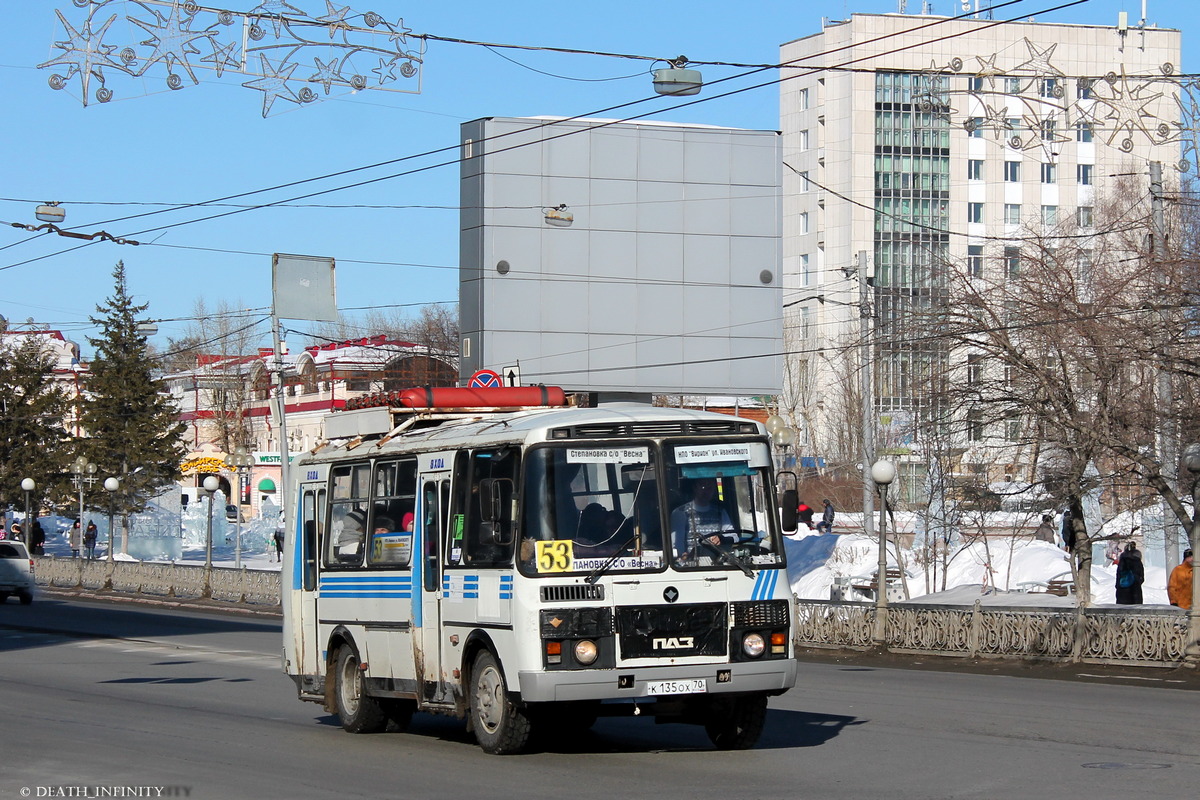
701 518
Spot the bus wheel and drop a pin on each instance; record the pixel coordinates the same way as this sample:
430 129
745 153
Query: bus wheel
359 713
735 723
500 727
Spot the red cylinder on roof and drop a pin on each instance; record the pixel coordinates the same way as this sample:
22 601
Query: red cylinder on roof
507 397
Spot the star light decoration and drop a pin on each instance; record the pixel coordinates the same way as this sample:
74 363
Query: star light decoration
1125 107
290 53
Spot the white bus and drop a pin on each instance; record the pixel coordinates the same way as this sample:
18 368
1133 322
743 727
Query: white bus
534 567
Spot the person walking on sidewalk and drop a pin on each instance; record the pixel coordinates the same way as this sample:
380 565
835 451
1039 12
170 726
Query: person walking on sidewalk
826 523
1130 575
1179 587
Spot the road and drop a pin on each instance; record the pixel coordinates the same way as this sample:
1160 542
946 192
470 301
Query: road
96 696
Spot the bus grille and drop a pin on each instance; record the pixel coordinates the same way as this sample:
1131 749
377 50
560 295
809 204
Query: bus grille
572 592
763 614
688 630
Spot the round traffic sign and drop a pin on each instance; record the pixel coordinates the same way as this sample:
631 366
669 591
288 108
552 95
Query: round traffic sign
484 379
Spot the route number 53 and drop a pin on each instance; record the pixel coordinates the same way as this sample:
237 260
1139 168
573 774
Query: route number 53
554 556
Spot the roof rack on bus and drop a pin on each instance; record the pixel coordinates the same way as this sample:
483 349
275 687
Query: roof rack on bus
388 414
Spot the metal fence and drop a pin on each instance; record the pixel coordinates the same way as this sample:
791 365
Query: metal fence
254 586
1135 636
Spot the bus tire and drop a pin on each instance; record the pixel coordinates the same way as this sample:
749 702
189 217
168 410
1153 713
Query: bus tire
735 723
500 726
359 712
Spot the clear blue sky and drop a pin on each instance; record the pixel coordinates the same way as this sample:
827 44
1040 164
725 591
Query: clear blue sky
151 145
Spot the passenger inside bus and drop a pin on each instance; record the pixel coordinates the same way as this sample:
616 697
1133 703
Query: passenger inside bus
348 547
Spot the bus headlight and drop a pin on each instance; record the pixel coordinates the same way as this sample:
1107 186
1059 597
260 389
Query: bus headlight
586 652
753 644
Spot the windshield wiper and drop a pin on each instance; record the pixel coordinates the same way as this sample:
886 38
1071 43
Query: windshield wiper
603 568
730 557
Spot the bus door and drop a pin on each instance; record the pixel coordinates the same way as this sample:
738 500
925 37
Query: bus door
302 555
433 508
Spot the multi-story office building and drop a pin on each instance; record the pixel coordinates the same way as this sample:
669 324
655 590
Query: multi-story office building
915 143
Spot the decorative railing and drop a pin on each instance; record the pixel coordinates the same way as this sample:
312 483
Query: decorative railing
1139 636
254 586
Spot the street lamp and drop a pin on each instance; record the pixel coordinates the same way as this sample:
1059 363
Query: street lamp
240 460
883 473
27 485
84 476
111 485
211 484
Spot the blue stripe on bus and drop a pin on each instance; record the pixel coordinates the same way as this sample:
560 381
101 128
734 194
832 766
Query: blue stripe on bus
764 587
367 595
348 579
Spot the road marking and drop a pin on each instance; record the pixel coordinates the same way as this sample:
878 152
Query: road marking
1126 678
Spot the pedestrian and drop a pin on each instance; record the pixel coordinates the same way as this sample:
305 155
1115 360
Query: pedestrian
14 532
76 539
826 523
37 539
1045 531
1179 586
1130 575
3 531
1068 530
805 514
89 541
279 544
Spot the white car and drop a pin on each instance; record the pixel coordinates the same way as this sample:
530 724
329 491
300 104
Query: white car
16 571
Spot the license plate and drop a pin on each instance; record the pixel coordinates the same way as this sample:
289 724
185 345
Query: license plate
696 686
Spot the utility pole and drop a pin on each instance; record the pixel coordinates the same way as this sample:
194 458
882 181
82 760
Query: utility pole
1168 433
866 387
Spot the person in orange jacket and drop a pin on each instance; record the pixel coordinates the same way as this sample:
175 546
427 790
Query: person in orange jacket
1179 587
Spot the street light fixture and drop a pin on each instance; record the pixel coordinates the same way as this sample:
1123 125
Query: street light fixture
85 472
882 473
211 484
240 460
28 485
111 485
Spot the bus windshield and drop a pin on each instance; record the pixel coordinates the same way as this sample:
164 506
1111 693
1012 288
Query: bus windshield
625 508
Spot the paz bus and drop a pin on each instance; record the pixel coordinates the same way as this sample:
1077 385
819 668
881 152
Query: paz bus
506 557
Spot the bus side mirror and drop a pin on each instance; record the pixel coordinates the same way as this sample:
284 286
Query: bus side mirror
495 507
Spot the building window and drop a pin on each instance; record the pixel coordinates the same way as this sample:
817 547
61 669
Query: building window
1012 213
1084 172
1083 89
975 83
974 426
804 183
1048 87
804 268
1083 131
803 140
975 127
974 212
1012 171
1012 85
1085 216
975 169
975 260
1012 261
804 222
1012 427
1050 215
1049 173
802 99
1048 126
974 369
1013 124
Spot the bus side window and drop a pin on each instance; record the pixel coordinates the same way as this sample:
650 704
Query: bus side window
491 508
431 533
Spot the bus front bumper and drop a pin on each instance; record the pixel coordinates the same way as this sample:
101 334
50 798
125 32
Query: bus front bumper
634 682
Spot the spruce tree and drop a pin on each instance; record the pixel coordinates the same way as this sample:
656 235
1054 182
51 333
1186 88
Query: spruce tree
133 428
33 418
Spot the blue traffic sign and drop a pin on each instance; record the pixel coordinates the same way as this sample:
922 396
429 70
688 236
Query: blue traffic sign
484 379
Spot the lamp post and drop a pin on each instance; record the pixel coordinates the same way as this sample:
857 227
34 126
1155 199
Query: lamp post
211 484
240 460
1191 652
28 485
882 473
111 485
84 475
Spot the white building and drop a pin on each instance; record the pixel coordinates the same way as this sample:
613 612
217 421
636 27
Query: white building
911 142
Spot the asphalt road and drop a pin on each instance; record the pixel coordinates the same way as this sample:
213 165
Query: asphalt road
95 696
